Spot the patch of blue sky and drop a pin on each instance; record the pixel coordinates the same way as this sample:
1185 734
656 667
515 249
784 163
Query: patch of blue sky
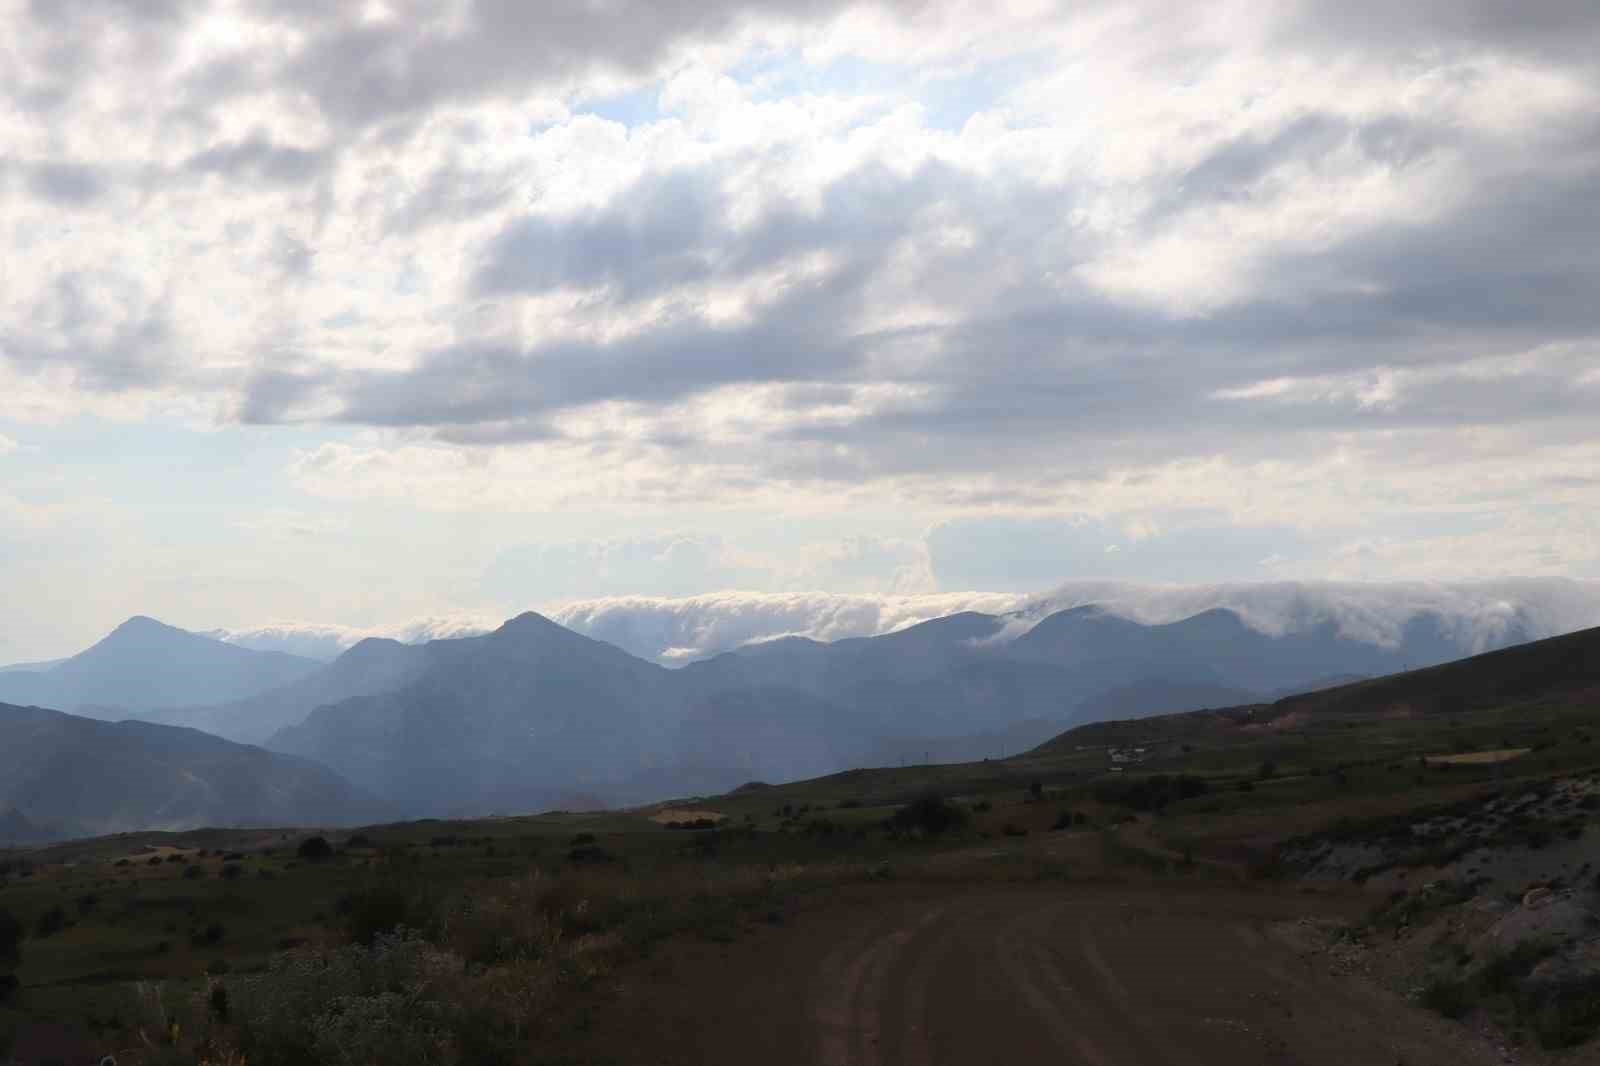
633 109
949 96
229 466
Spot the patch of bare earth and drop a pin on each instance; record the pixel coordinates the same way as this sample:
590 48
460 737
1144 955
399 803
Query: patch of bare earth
1108 976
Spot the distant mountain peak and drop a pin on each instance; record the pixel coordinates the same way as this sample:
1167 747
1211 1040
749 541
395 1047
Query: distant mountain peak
143 623
530 620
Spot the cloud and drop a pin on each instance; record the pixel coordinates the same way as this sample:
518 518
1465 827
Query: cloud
1304 291
1475 615
675 630
326 641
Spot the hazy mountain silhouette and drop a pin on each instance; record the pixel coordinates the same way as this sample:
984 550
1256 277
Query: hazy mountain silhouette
1216 646
63 775
535 711
373 666
144 664
532 703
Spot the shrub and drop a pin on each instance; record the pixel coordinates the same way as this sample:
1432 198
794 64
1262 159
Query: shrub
315 849
50 922
929 814
1447 997
230 871
217 1001
346 1005
1152 793
10 939
374 911
193 873
211 935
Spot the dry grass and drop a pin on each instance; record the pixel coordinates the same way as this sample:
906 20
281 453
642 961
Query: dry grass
668 815
1478 758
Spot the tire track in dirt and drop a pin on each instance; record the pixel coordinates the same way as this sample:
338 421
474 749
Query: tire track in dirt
1084 975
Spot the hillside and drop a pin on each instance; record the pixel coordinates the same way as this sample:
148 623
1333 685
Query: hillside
1562 670
62 775
144 663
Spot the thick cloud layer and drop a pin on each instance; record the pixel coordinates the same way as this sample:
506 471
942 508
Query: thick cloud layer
677 630
326 641
1476 615
1227 291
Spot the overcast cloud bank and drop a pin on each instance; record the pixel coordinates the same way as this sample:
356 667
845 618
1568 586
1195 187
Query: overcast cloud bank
1226 291
677 630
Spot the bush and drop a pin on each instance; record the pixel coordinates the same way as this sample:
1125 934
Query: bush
346 1005
1151 793
210 936
373 912
50 922
315 849
218 1002
1447 997
930 815
10 939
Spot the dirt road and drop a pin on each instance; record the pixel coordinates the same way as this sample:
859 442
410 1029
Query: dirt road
1092 976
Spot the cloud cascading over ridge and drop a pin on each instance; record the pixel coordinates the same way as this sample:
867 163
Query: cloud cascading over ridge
1475 615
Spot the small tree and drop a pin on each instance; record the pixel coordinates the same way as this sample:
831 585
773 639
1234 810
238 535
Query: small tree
929 814
315 849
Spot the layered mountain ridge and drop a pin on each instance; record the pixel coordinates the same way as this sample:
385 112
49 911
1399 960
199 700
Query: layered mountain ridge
536 715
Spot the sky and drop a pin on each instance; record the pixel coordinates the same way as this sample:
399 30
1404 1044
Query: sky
402 315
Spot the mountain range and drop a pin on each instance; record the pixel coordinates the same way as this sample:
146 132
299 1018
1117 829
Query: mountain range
535 715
